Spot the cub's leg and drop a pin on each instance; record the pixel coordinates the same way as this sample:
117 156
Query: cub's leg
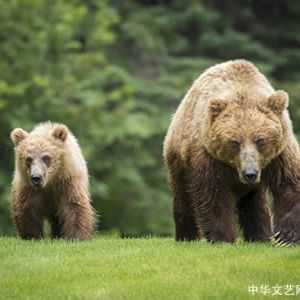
76 212
27 218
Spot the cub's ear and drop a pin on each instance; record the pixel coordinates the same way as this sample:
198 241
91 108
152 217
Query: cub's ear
60 132
18 135
216 106
278 102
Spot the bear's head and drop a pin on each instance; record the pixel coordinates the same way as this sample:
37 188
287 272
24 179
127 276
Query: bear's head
39 154
246 135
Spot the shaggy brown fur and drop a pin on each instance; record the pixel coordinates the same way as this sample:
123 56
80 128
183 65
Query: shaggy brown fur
230 140
50 182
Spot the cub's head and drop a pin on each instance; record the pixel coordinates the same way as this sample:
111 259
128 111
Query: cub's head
247 137
39 154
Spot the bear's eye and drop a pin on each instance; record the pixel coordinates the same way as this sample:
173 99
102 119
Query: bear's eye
260 143
28 160
235 145
46 159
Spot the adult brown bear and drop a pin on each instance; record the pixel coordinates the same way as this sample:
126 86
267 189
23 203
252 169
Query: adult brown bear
229 141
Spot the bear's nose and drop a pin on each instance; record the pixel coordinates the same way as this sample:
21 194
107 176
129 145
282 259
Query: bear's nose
36 179
250 175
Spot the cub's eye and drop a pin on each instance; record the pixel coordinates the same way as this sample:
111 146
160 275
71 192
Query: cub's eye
46 159
260 143
28 160
235 145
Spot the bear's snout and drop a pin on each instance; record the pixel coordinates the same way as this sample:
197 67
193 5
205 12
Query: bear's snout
36 179
250 175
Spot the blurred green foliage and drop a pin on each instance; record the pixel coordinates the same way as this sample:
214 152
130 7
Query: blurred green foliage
115 71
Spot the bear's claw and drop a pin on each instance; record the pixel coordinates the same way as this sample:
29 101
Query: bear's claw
288 228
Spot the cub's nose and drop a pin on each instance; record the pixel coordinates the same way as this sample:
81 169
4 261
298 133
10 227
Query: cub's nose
36 179
250 175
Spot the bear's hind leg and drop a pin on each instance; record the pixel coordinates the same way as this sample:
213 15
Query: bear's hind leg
185 223
56 227
254 215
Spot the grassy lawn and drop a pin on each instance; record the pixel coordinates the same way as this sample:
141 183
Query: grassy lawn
151 268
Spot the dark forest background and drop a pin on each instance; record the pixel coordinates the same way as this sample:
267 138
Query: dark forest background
115 71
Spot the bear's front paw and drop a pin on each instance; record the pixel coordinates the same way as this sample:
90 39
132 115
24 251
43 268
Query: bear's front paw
287 230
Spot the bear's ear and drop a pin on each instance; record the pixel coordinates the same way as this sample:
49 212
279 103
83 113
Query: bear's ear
18 135
216 106
60 132
278 102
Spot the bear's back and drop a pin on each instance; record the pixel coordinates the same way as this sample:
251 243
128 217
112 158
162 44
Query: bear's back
226 80
223 81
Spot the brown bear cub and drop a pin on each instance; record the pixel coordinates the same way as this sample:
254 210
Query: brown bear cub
230 140
50 182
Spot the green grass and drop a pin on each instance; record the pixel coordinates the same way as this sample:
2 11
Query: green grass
151 268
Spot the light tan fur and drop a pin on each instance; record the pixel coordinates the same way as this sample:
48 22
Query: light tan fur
233 81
